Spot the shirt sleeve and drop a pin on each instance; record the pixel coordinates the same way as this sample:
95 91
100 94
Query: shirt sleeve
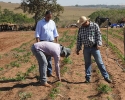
98 34
37 32
79 41
57 68
55 33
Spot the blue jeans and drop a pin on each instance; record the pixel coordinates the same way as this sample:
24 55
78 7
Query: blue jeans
49 60
42 61
88 51
49 67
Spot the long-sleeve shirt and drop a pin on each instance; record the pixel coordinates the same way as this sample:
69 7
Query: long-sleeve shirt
50 49
89 36
46 30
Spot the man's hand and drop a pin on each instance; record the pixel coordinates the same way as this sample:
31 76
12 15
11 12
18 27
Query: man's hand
98 47
59 78
56 39
77 52
37 39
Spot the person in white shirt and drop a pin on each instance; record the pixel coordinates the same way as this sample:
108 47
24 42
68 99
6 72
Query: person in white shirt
46 31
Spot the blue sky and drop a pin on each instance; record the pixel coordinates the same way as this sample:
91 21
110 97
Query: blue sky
81 2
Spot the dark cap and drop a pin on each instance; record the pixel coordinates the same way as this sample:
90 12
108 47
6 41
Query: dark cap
66 51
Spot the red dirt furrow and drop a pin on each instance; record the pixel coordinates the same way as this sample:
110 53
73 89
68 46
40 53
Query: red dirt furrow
72 85
118 43
10 40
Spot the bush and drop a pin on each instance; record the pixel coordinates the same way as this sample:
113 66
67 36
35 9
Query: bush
7 16
114 15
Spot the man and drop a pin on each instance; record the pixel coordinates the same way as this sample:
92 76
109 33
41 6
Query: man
90 36
42 50
46 31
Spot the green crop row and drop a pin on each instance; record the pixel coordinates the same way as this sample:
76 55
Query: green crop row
20 76
114 48
114 35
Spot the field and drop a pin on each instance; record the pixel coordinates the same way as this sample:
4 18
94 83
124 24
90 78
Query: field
19 70
70 13
69 16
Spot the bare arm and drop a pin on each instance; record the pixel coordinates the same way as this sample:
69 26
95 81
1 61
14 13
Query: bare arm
56 39
98 34
57 68
37 39
55 33
79 43
37 32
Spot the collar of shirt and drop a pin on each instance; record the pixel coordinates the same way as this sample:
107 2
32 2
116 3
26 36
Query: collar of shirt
45 20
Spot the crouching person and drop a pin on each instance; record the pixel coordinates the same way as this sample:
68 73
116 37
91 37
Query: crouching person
42 51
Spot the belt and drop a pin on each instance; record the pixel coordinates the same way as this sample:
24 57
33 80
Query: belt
95 45
45 40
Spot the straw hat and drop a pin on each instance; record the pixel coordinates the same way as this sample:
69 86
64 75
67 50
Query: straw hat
82 20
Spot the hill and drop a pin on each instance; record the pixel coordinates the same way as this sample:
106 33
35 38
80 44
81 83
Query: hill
70 13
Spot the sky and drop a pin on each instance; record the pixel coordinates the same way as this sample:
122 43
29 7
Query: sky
81 2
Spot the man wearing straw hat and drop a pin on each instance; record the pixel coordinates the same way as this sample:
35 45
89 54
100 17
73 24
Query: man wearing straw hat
90 36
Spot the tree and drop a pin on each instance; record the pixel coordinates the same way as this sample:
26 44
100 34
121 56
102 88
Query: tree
39 7
7 16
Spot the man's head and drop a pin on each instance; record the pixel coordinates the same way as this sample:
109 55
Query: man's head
48 15
83 21
65 52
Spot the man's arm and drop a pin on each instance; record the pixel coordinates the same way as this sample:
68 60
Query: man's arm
98 36
57 68
79 43
37 39
37 32
56 39
55 33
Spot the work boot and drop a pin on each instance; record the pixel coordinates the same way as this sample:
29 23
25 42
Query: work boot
108 80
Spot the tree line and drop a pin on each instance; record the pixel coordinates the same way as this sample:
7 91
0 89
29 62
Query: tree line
115 15
7 16
39 7
102 6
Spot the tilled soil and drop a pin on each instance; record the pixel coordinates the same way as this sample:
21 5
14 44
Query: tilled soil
72 86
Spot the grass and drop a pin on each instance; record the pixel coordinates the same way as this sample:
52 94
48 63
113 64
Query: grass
0 56
21 55
104 88
114 48
24 95
18 50
79 74
93 61
15 64
85 91
63 39
73 13
115 35
64 70
1 69
31 69
20 76
54 93
58 84
109 98
67 61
